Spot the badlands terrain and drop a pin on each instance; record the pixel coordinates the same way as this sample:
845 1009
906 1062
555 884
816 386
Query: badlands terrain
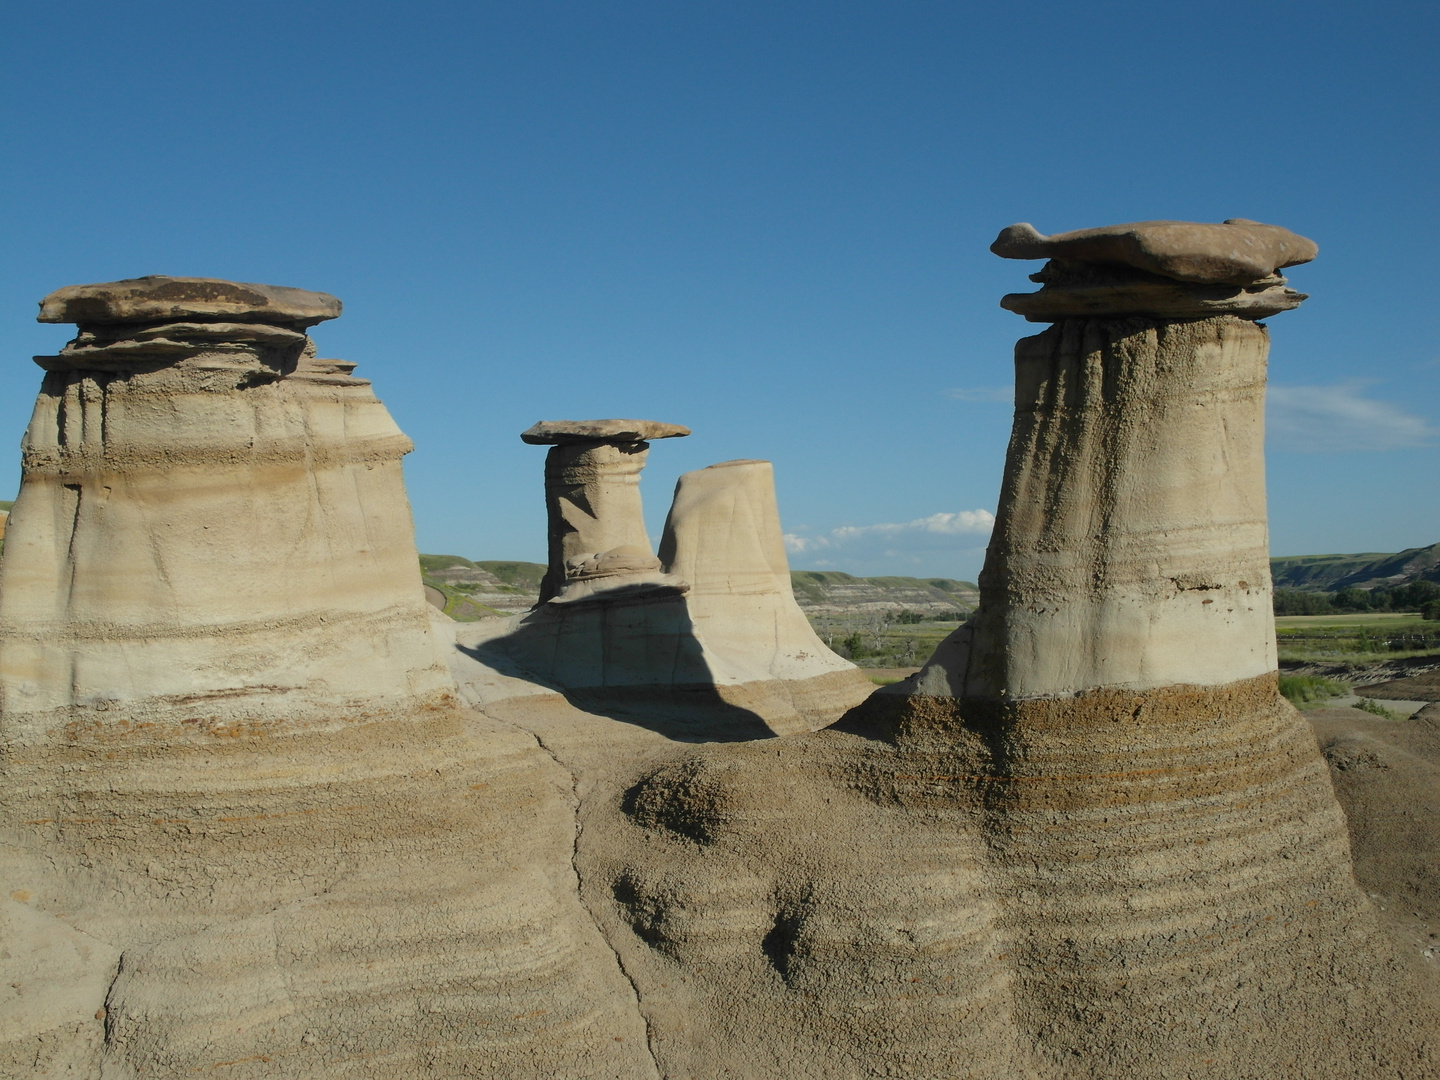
267 812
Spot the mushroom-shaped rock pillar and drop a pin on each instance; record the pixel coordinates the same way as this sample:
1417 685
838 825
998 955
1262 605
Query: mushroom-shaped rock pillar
211 521
1160 816
592 495
1130 547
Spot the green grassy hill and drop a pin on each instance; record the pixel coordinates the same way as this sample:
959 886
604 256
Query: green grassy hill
1331 573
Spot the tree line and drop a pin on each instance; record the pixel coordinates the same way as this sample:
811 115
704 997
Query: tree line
1416 596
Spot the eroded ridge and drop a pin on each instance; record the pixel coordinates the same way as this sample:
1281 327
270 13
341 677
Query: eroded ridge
1142 842
246 825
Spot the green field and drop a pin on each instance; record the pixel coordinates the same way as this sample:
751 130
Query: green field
1354 639
874 642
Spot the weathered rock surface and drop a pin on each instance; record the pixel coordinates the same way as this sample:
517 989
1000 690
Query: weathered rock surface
1088 290
1130 547
157 298
1030 867
710 627
218 534
1236 252
244 824
1168 851
723 538
1160 269
562 432
592 493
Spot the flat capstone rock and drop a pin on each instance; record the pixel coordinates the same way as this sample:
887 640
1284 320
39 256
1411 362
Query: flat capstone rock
558 432
157 298
1235 252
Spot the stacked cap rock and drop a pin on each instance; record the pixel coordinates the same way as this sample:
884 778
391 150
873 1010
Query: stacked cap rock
142 498
1162 269
592 494
158 298
575 432
141 324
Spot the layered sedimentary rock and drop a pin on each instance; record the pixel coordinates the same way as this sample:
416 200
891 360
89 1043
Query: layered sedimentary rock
245 827
211 521
1175 867
711 624
592 497
1089 839
723 538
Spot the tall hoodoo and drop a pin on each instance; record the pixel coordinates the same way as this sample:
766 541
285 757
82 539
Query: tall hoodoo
211 520
592 496
1160 815
1130 547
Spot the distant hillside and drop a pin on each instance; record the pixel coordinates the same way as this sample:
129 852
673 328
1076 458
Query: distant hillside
466 589
1370 570
830 592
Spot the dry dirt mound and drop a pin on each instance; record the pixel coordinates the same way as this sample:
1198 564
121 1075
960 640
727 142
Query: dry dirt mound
1387 776
1422 687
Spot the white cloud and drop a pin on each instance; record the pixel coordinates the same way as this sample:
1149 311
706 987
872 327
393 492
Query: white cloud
1321 419
978 522
994 394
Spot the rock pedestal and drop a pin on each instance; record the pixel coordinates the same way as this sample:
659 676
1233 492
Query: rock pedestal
212 525
247 826
1130 547
709 630
592 496
1160 817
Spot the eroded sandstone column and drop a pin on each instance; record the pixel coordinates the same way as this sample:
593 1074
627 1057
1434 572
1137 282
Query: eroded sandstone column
232 754
1130 547
723 538
592 494
1174 867
211 522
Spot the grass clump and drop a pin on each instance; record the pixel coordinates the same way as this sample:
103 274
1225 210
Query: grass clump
1310 691
1372 706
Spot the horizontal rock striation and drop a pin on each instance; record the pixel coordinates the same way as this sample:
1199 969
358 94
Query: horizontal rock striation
1145 850
707 632
245 826
212 524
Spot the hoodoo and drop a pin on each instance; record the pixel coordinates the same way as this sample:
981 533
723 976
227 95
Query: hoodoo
1089 839
592 497
1177 873
244 823
708 631
211 521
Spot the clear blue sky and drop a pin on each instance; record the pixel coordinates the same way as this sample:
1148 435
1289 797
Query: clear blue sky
766 221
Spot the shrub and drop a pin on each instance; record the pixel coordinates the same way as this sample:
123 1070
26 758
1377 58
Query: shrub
1302 602
1304 691
1370 705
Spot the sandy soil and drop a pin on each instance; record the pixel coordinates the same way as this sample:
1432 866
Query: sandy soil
1387 776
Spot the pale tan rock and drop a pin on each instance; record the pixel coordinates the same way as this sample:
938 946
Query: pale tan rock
562 432
723 538
244 824
1236 252
1130 547
158 298
730 646
592 489
394 896
1158 818
220 532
